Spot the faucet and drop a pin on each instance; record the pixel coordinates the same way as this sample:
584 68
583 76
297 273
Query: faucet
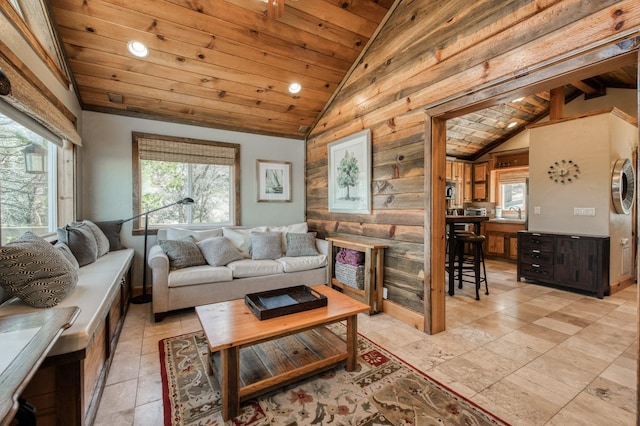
519 211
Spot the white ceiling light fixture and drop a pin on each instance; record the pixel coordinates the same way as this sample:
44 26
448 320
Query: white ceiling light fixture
518 100
137 48
512 124
295 88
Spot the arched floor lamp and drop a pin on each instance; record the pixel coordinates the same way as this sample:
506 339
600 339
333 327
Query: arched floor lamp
146 297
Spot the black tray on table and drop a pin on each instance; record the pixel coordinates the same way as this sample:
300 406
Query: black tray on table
275 303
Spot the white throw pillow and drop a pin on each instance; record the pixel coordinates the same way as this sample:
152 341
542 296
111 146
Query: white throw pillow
297 228
178 233
241 238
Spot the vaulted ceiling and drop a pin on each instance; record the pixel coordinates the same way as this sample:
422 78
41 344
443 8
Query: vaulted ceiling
228 64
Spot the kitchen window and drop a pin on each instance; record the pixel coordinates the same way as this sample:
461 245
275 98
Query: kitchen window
511 194
168 169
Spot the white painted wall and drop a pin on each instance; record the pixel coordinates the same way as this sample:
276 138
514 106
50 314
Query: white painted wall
105 180
594 143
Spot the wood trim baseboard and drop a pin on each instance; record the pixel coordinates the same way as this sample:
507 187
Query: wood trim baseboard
403 314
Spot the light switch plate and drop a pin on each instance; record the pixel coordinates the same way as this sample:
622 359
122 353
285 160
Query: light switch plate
384 292
536 210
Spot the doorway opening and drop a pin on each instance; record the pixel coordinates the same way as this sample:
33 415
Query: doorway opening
578 68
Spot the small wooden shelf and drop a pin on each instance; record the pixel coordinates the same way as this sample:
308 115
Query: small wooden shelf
371 294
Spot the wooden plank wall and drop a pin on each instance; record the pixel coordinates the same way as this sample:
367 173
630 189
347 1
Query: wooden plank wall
429 52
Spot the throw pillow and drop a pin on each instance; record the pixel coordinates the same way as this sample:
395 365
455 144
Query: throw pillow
66 251
218 251
81 241
295 228
301 244
102 242
177 233
111 230
241 238
182 253
266 245
35 271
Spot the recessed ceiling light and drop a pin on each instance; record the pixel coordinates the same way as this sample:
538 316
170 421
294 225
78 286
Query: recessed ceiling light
518 100
295 88
512 124
138 49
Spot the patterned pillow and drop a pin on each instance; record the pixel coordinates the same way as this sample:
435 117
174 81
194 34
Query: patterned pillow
182 253
266 245
301 244
218 251
35 271
81 241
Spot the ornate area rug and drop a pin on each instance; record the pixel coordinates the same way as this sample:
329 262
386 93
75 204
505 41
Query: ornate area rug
384 390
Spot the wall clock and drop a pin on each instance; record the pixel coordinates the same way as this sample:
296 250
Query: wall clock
623 186
563 171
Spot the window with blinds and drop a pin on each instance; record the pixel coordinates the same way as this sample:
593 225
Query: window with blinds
512 191
169 169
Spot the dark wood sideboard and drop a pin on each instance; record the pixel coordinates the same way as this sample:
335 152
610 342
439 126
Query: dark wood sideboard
577 262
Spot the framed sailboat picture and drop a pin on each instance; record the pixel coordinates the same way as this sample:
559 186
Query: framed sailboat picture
274 181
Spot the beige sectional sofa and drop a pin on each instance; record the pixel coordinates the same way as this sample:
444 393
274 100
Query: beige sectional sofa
254 269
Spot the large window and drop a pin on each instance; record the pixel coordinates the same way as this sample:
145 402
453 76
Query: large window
169 169
27 198
512 192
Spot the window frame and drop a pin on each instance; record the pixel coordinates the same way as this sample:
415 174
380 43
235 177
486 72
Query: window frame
496 176
137 228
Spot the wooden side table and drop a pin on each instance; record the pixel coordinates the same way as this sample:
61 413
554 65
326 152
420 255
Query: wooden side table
371 294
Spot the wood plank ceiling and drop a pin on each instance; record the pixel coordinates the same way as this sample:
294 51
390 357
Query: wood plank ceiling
224 64
228 64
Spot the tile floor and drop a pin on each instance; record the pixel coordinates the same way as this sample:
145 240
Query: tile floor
532 355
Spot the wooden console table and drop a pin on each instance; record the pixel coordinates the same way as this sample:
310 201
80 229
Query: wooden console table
32 335
373 275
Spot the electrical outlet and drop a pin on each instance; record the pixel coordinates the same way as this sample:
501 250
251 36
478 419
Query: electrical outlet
584 211
384 292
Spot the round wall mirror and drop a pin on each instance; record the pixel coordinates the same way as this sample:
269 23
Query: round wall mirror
623 186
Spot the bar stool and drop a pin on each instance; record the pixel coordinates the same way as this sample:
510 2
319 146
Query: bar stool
471 263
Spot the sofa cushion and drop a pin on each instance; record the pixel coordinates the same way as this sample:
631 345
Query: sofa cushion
302 263
81 241
301 244
218 251
199 275
178 233
111 229
182 253
102 242
241 238
253 268
266 245
35 271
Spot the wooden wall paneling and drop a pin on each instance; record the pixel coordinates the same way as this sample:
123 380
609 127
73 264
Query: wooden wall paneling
492 59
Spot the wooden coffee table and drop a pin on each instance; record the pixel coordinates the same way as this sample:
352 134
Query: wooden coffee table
276 351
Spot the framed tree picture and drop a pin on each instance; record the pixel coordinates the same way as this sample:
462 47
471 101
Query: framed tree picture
350 174
274 181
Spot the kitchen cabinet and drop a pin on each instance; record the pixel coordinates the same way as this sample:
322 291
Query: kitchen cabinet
454 172
468 183
501 239
579 262
480 184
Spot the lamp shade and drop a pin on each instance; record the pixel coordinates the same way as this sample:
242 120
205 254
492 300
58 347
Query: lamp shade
35 159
